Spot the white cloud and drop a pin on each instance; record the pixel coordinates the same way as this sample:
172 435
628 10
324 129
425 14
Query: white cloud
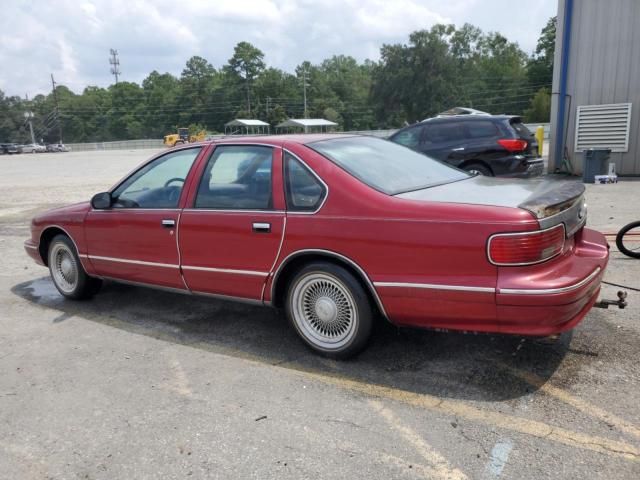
72 38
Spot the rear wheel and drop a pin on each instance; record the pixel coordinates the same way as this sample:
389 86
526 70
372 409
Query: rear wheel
478 169
67 272
628 240
329 309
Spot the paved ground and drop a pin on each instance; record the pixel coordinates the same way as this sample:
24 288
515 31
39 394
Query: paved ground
145 384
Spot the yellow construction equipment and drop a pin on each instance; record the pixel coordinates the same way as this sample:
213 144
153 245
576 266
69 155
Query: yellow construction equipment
183 136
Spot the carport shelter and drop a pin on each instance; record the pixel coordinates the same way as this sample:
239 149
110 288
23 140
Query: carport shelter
307 125
241 126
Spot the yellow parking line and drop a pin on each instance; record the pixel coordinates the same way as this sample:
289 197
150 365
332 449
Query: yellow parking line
586 407
495 419
438 465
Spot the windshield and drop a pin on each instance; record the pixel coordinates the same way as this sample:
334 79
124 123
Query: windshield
386 166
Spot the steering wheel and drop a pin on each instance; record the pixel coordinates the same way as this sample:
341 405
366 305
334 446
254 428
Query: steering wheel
174 179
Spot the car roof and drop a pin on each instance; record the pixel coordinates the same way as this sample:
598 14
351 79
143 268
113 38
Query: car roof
277 140
468 118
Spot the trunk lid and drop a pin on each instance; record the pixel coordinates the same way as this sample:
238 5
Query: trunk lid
550 201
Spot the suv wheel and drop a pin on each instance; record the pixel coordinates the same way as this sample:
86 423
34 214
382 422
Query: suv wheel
478 169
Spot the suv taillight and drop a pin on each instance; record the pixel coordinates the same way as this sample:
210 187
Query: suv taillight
526 248
513 144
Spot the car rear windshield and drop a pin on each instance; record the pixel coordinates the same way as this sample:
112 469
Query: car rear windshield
521 128
388 167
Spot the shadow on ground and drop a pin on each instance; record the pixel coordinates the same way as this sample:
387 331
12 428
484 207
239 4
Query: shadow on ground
454 365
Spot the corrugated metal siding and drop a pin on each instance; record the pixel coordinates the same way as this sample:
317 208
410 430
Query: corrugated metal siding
604 68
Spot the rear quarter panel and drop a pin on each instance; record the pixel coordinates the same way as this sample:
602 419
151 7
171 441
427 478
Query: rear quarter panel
409 242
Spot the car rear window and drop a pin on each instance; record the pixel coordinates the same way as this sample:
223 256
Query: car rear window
386 166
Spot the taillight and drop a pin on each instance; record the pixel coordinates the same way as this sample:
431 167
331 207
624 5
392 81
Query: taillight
513 144
526 248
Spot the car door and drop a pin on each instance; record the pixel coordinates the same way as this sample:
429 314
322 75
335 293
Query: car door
444 141
135 239
230 235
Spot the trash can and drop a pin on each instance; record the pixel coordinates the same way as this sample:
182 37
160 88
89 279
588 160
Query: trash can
594 163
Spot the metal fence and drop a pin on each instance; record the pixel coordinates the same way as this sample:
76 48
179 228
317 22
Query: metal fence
118 145
157 143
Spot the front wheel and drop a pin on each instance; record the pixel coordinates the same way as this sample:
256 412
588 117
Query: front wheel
67 272
628 240
329 309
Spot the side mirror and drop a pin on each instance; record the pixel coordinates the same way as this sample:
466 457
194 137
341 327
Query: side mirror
102 201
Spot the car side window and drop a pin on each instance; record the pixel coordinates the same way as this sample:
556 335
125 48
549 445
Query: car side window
158 184
481 129
444 132
237 177
409 137
303 191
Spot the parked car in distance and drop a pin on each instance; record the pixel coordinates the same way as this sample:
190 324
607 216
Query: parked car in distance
337 230
9 148
57 147
491 145
33 148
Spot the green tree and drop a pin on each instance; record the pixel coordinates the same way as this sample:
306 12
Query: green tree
245 65
540 107
540 64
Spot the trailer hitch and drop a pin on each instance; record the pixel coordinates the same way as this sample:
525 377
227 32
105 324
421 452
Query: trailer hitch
621 302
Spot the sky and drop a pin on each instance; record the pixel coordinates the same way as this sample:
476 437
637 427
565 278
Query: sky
72 38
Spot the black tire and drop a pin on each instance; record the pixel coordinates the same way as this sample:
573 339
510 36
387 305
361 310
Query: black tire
67 273
329 309
620 237
480 168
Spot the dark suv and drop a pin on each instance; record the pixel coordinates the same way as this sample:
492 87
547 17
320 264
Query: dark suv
495 145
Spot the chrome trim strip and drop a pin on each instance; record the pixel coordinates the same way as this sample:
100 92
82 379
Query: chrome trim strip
550 291
531 232
83 255
226 270
33 247
432 286
372 289
133 209
135 262
326 195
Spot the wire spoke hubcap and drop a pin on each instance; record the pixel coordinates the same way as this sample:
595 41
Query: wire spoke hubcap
64 268
324 310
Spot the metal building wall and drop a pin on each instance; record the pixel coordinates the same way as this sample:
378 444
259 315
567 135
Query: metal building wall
604 67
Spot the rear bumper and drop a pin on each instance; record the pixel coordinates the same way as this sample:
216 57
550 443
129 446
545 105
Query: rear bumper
553 297
529 167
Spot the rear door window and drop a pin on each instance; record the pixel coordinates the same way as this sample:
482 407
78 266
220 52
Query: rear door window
237 178
444 132
482 129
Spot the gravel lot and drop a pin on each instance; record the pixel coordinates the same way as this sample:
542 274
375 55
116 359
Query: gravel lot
144 384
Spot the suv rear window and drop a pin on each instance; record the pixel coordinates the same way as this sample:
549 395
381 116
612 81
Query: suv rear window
386 166
521 128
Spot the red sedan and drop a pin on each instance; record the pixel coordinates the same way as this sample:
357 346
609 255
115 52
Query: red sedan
337 230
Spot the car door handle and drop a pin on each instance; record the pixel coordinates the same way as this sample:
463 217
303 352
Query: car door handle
261 227
459 149
168 223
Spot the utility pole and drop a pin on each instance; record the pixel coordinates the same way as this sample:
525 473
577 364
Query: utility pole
55 99
28 116
115 64
304 90
268 105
